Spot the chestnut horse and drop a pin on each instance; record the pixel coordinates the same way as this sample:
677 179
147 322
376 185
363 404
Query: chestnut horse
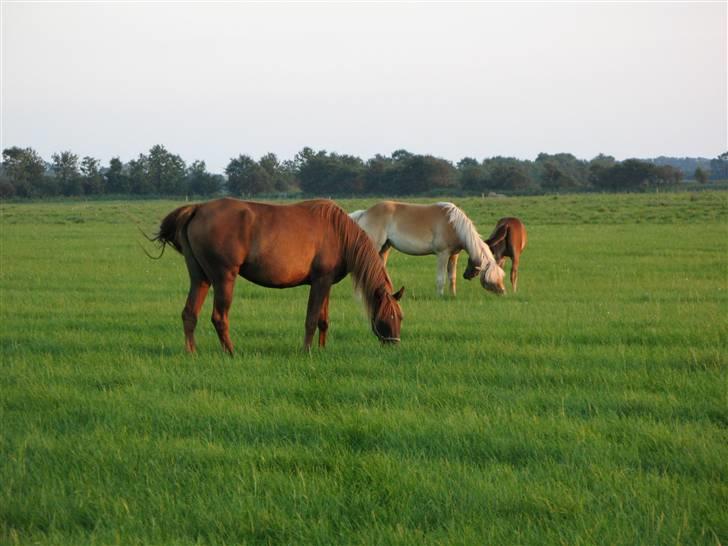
277 246
441 229
508 239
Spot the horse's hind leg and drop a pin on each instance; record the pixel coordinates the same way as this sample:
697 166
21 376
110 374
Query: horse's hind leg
195 299
452 271
514 271
199 285
223 299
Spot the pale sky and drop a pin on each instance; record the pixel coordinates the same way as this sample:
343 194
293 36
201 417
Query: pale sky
213 80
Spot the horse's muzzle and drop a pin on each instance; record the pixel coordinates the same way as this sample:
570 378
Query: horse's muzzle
385 340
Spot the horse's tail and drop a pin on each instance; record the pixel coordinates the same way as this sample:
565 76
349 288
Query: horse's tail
171 230
356 215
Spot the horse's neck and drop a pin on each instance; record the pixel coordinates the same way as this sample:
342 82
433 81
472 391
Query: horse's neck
479 251
465 231
366 269
475 247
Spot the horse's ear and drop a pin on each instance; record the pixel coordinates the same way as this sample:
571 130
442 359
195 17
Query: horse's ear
498 236
398 294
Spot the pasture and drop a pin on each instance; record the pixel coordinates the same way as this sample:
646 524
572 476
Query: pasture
589 408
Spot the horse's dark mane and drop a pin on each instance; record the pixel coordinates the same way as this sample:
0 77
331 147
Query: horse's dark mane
360 256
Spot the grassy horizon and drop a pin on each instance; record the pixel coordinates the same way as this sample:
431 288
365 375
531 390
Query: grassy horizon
589 408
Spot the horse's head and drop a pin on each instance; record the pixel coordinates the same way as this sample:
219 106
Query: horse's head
491 275
471 270
387 316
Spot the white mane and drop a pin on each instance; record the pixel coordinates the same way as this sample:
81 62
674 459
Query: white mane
468 235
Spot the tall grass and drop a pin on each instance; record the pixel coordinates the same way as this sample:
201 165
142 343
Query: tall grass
589 408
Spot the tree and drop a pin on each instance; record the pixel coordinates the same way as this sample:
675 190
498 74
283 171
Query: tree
347 174
598 168
138 173
401 155
201 182
7 190
65 167
282 175
555 177
269 163
322 173
166 171
629 174
25 170
313 172
289 176
473 176
246 177
507 173
561 171
665 175
701 176
91 179
719 167
117 180
378 175
421 173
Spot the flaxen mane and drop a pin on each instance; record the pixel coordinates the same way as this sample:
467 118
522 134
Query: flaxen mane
468 235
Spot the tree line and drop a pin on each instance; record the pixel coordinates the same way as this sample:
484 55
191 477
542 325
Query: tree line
24 173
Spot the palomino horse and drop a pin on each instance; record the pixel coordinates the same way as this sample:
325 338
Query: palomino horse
507 240
441 229
277 246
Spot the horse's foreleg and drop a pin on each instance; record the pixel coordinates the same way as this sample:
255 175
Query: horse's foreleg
452 271
442 260
223 299
384 253
323 321
317 295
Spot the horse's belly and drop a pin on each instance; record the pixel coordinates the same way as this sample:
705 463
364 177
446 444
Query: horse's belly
412 246
276 276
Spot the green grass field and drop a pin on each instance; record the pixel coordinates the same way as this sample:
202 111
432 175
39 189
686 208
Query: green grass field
589 408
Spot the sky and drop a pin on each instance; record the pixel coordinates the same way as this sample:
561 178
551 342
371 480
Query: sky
210 81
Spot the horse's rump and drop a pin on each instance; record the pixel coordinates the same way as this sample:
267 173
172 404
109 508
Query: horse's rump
172 225
509 236
508 241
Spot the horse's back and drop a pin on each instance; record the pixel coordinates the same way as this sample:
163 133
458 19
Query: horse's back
375 221
412 228
428 225
271 245
234 217
516 231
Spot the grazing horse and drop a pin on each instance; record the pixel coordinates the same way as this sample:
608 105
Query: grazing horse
441 229
277 246
508 239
